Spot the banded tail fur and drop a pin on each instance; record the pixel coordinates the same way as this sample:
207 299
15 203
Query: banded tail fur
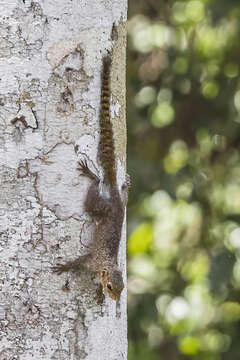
106 145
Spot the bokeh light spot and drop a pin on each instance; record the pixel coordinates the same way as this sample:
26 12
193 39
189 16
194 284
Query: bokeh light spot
195 11
189 345
162 115
231 70
210 89
145 96
141 239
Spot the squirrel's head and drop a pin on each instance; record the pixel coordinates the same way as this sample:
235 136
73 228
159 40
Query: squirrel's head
112 283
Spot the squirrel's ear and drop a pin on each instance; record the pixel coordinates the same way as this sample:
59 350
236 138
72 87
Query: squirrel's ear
104 273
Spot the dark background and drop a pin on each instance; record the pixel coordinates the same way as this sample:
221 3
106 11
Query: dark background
183 86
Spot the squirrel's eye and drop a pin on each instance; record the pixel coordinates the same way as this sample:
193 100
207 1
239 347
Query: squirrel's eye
109 286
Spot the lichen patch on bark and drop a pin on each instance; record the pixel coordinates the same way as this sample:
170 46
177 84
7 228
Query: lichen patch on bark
59 185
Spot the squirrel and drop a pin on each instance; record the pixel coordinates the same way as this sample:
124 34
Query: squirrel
106 212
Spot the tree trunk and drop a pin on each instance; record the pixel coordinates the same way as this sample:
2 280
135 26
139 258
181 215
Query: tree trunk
50 70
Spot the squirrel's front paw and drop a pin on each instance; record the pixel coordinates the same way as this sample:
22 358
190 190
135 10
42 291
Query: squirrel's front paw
59 269
82 166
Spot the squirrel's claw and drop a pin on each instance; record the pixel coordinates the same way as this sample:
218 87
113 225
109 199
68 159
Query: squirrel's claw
59 269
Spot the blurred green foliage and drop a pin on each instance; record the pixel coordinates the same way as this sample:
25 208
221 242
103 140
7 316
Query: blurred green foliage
184 161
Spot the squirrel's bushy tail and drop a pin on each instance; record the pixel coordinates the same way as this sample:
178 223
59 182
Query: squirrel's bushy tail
106 144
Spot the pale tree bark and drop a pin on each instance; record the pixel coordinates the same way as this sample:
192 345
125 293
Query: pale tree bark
50 61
